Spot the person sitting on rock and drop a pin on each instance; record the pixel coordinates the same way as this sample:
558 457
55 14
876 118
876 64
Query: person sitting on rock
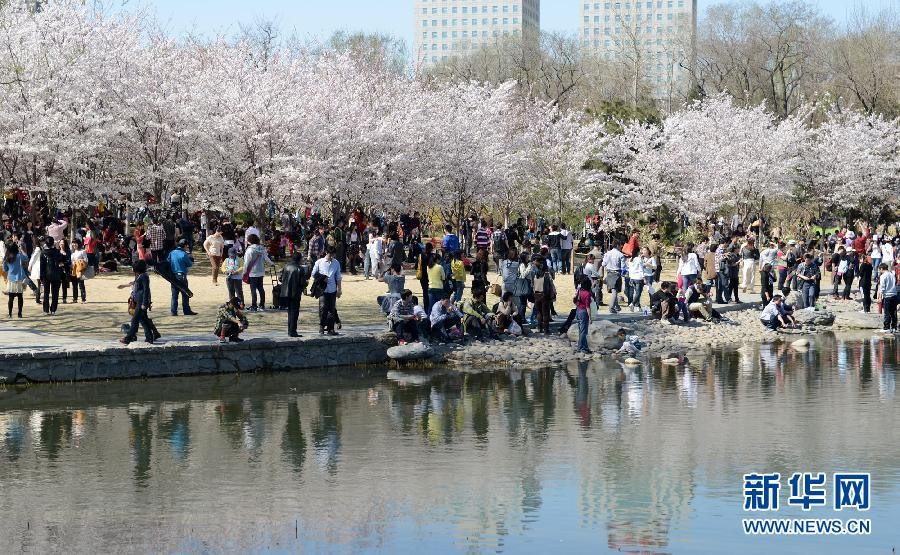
403 318
771 316
505 312
478 321
444 317
699 304
664 303
230 321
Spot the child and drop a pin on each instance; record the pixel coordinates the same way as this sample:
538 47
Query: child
631 344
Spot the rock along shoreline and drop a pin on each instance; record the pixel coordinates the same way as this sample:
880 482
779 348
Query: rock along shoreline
106 361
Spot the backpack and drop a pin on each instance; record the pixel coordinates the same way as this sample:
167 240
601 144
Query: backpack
791 259
499 243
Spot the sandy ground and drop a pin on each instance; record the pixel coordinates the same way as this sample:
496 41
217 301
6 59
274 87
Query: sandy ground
106 309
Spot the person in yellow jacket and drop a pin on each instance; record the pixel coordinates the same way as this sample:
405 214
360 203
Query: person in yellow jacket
458 274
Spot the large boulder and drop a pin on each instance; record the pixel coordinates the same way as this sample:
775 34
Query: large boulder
410 351
810 317
859 321
601 335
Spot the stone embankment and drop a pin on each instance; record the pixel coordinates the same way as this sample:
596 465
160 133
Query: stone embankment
52 359
108 361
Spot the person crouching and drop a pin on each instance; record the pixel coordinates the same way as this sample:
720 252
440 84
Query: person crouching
230 321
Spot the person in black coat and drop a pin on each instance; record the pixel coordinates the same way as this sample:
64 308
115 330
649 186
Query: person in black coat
140 301
294 277
52 274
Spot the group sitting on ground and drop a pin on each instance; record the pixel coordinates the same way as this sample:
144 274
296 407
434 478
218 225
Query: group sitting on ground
449 321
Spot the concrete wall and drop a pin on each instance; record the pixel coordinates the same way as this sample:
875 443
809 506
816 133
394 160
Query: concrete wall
181 359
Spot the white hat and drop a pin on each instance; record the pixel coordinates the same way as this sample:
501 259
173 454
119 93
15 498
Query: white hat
851 235
792 242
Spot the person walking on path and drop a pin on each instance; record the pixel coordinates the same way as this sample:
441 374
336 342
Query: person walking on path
256 259
329 270
214 245
14 264
181 262
293 282
140 301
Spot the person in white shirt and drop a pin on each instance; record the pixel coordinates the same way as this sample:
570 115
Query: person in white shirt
252 230
327 271
887 294
771 315
636 272
688 266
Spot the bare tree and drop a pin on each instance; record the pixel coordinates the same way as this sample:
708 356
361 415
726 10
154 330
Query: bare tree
768 53
864 61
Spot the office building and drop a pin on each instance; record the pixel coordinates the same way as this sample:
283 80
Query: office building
655 38
448 28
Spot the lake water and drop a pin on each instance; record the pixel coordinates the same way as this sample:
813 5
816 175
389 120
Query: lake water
587 459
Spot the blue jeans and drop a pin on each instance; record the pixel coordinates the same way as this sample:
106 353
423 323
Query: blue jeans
256 286
434 296
584 321
556 259
808 294
566 261
185 301
458 288
722 294
637 288
782 276
688 280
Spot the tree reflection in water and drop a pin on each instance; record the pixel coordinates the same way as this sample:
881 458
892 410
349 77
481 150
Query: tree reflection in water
603 456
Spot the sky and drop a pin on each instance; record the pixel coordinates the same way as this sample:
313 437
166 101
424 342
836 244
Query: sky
319 19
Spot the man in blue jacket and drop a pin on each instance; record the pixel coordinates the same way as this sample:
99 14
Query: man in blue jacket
180 262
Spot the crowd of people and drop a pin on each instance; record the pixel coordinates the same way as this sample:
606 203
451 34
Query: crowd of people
479 280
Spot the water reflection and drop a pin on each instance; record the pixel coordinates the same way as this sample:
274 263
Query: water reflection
598 454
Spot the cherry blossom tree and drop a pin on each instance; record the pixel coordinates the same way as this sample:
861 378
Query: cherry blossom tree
852 162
